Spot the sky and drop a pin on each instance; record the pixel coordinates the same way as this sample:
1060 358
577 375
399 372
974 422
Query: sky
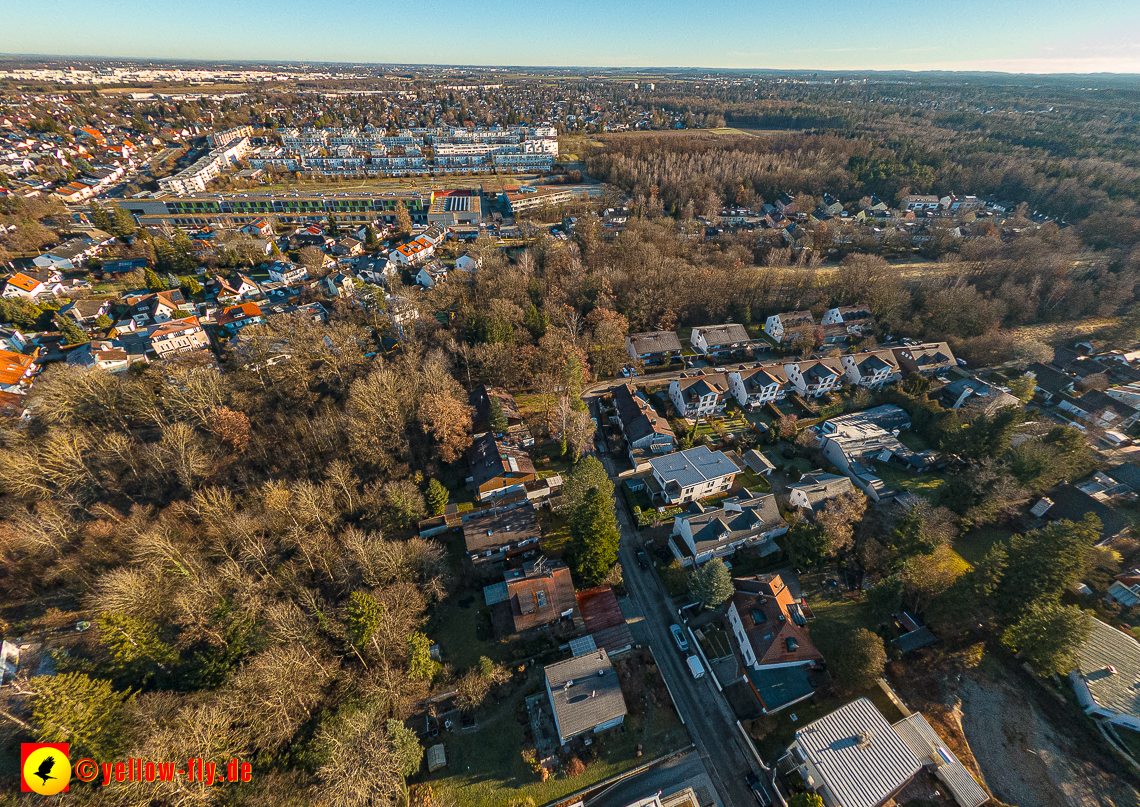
1020 36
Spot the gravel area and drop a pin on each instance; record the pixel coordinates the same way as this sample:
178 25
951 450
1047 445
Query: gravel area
1025 760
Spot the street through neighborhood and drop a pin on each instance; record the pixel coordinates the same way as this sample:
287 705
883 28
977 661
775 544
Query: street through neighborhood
707 714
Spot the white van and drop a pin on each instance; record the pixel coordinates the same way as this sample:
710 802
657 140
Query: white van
695 667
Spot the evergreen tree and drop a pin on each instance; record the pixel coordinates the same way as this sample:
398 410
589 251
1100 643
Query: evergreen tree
421 666
86 712
154 282
135 645
406 745
588 473
371 242
859 661
806 544
595 536
1047 635
334 227
363 618
575 382
437 496
711 583
497 420
72 333
1046 562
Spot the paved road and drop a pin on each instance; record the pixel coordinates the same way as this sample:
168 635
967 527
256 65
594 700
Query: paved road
670 777
705 711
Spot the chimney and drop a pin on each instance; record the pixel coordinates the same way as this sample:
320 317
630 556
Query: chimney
864 740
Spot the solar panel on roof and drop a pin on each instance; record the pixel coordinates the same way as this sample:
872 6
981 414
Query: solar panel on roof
582 646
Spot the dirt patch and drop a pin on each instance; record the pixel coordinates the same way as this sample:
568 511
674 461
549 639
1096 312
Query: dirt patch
1025 760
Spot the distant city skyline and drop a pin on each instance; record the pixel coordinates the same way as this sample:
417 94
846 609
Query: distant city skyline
1018 36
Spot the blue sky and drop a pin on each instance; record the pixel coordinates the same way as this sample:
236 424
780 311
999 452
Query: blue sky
1009 35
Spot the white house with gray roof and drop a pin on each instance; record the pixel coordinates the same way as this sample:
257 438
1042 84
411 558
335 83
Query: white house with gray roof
699 396
815 489
1107 678
585 695
758 385
816 377
713 340
747 519
685 476
871 370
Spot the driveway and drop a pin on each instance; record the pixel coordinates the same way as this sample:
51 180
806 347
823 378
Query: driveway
669 778
707 715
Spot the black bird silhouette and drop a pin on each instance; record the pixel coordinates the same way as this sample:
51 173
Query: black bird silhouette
45 769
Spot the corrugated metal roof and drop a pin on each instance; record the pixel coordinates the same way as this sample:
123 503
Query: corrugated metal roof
921 738
1117 688
859 755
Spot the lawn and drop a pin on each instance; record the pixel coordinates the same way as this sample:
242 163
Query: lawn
753 481
913 441
1130 740
926 484
461 626
974 545
715 642
734 424
486 767
555 533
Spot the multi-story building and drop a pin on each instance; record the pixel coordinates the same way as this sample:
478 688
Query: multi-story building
759 385
698 396
685 476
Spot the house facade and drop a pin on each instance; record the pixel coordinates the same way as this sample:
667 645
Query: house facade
871 370
655 347
778 325
699 396
744 520
685 476
816 377
719 340
758 386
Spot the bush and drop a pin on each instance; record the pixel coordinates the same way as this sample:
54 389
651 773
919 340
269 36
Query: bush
575 767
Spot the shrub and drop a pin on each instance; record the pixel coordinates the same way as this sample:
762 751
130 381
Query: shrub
575 767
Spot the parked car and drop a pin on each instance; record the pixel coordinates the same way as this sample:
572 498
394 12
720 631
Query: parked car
679 637
642 559
695 667
758 789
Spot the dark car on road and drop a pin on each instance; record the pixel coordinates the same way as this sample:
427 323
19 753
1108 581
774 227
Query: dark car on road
642 559
758 789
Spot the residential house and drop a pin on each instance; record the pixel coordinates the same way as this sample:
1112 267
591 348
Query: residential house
937 758
646 433
233 319
177 336
225 290
976 394
374 269
417 250
605 623
685 476
921 202
871 370
779 325
29 288
816 377
85 312
148 308
720 340
772 633
469 262
497 469
699 396
1050 382
585 695
538 595
338 284
848 315
1107 678
654 347
831 204
786 204
287 273
814 490
348 246
481 398
431 274
1070 503
757 386
495 534
744 520
99 354
259 228
71 254
852 757
855 442
1105 411
926 359
16 370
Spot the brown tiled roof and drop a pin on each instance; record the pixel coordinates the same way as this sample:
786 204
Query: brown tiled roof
762 603
542 595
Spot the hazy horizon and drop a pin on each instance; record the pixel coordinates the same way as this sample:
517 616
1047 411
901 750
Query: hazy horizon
1048 37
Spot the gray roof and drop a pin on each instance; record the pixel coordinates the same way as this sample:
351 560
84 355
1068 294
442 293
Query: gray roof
655 342
585 692
857 773
1108 647
638 418
693 466
931 750
729 334
1126 474
737 518
758 462
819 487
